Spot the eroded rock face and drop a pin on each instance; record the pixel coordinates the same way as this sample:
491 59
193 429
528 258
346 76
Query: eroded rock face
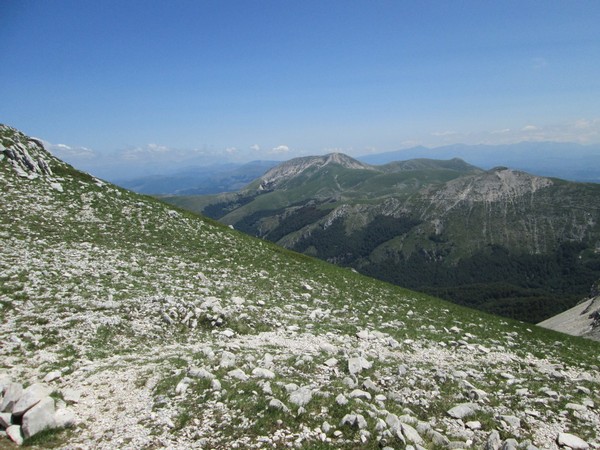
27 156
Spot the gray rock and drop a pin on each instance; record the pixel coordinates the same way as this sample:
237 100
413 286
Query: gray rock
200 372
438 438
278 405
493 441
260 372
463 410
348 419
51 376
510 444
31 397
361 422
473 425
570 440
183 385
411 434
64 418
370 386
39 417
227 360
301 396
512 421
15 434
71 395
575 407
12 394
357 393
331 362
238 374
341 400
358 364
5 420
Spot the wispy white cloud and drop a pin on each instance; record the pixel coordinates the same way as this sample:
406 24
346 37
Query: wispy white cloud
67 152
255 148
529 128
279 150
444 133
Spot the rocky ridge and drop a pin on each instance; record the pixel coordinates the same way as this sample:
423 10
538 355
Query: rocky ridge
165 330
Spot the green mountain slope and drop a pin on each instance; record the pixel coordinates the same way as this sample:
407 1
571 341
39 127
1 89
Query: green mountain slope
160 329
503 241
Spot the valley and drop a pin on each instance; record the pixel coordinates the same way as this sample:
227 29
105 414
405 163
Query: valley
500 240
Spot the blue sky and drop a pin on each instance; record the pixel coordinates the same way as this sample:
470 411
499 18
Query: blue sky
246 80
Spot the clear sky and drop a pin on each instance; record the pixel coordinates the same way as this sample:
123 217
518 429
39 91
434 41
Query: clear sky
271 79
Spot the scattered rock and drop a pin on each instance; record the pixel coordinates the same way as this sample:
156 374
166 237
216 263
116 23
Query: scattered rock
259 372
572 441
39 417
358 364
12 394
15 434
64 418
238 374
463 410
301 396
30 397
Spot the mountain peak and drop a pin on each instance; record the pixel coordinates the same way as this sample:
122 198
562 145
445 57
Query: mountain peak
297 166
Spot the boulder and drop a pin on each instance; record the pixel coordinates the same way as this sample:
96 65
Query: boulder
64 418
15 434
200 372
493 441
572 441
463 410
301 396
411 434
12 394
260 372
39 417
31 397
5 420
357 364
279 405
238 373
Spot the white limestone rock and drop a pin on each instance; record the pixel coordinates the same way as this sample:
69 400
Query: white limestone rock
15 434
39 417
52 376
572 441
260 372
301 396
238 374
463 410
12 394
5 420
31 397
64 418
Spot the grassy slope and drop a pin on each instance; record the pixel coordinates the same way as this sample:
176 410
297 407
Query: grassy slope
88 275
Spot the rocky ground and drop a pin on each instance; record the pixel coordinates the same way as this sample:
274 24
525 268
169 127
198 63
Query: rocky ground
158 329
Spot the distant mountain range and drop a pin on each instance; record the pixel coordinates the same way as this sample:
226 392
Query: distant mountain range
501 240
568 161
